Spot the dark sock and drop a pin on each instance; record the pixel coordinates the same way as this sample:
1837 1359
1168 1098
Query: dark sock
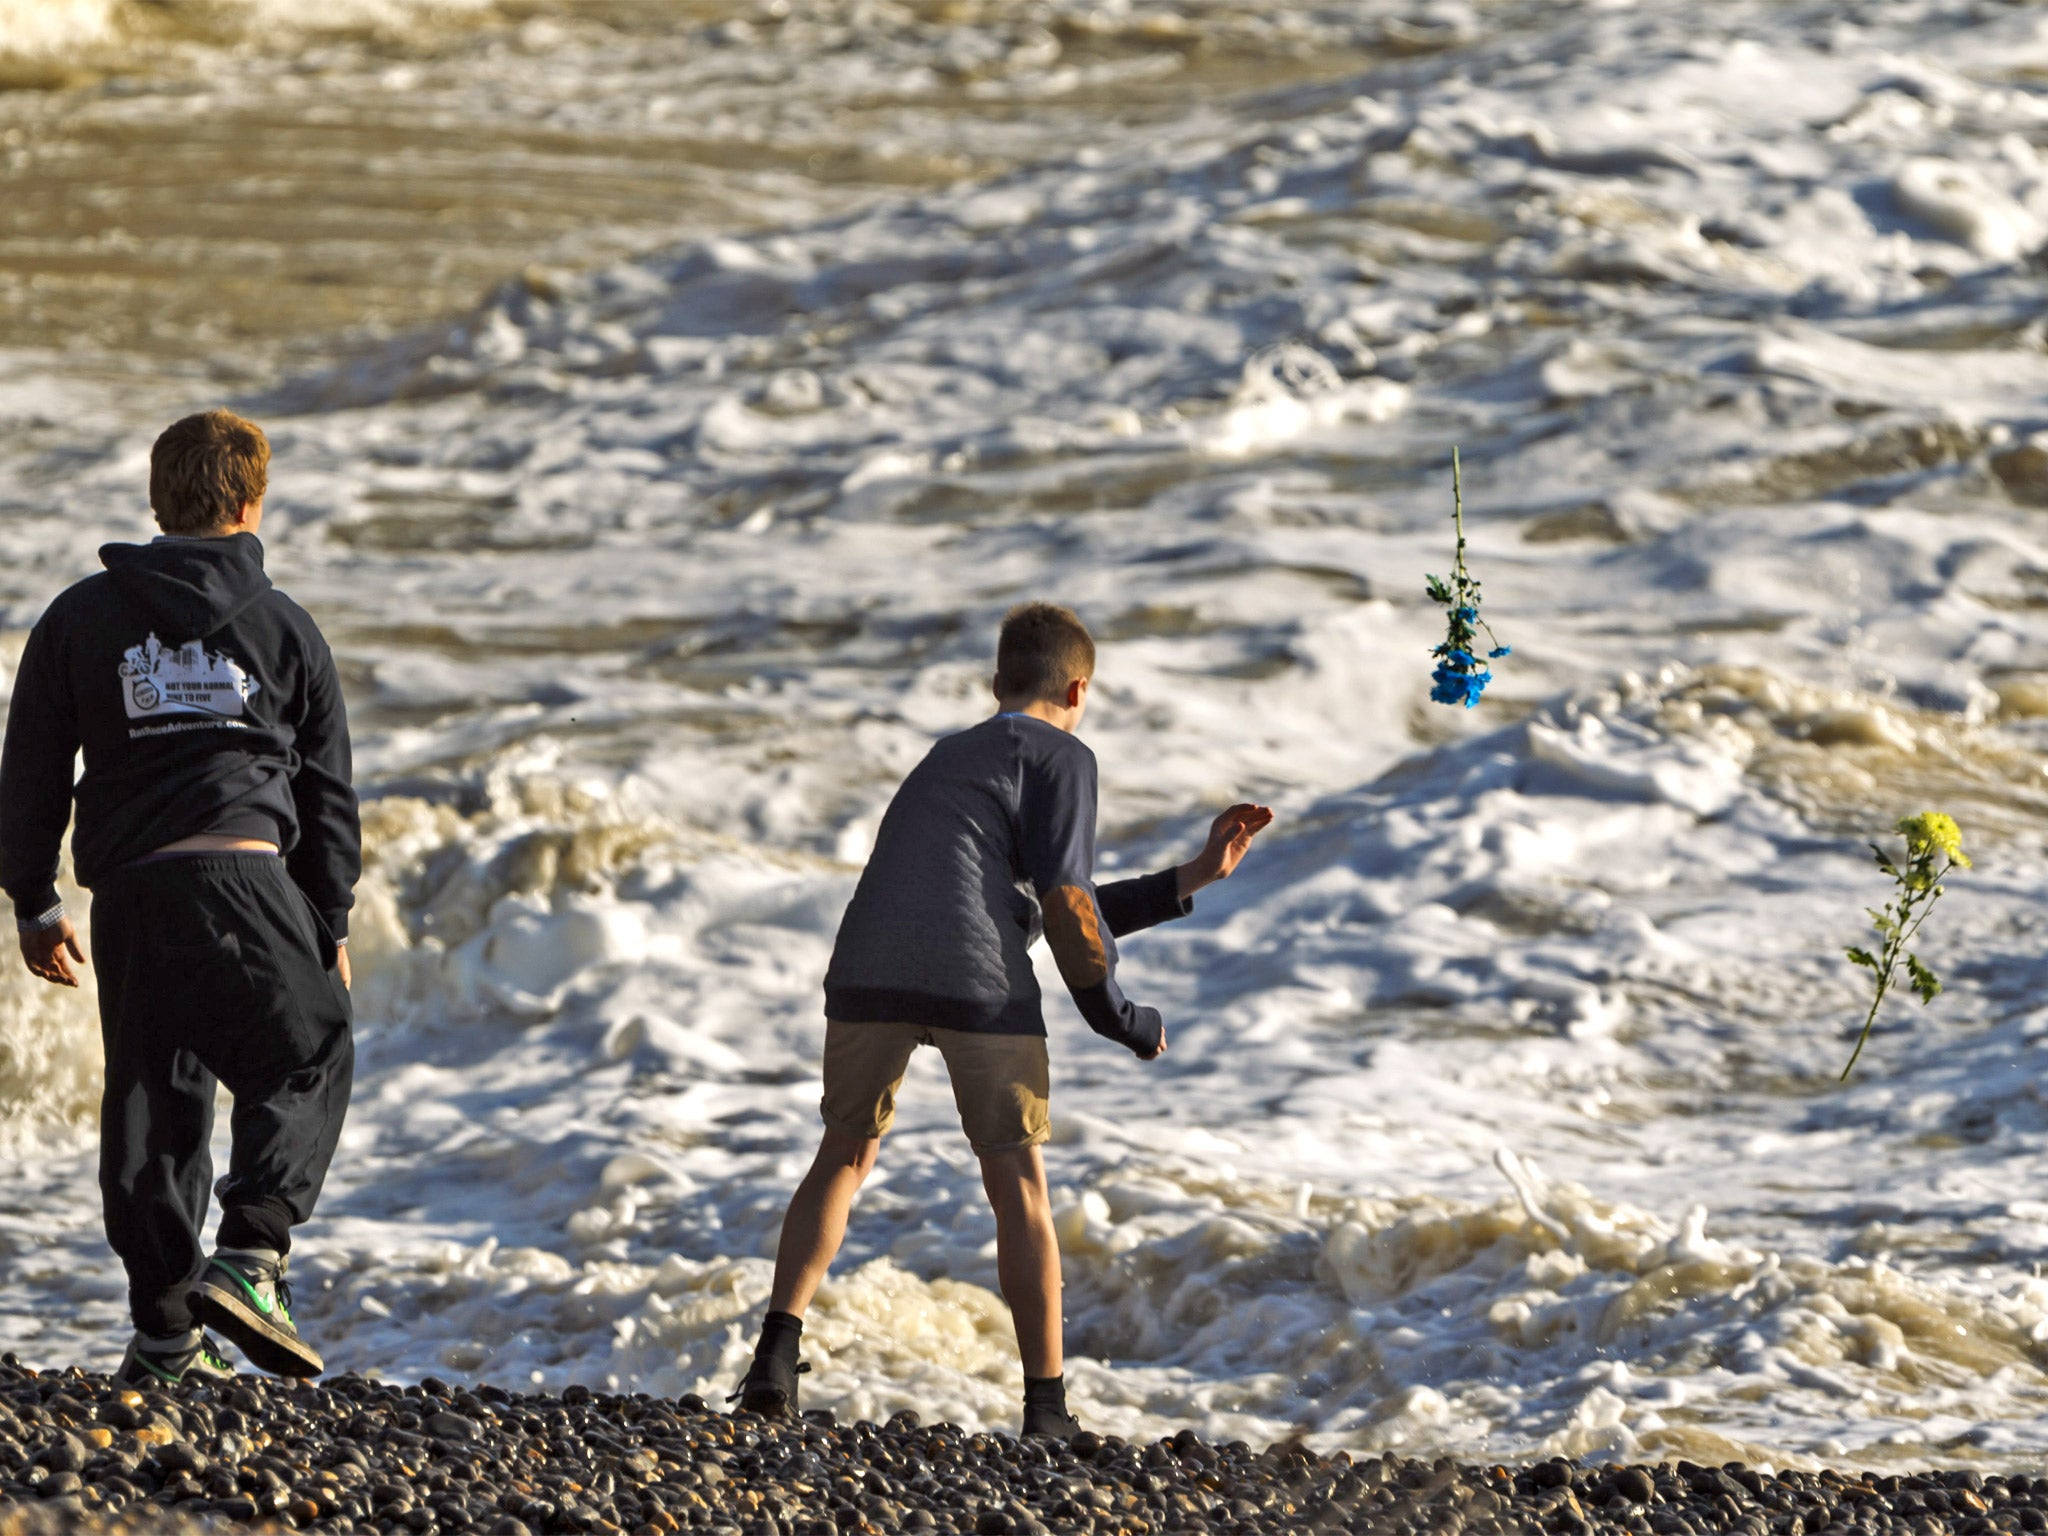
158 1317
781 1333
258 1224
1046 1392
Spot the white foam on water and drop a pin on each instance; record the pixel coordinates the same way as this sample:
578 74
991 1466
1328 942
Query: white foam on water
40 29
107 31
1961 204
1501 1113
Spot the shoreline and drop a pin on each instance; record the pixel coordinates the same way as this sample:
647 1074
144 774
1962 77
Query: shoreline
353 1454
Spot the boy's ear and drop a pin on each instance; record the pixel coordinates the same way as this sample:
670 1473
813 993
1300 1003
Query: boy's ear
1076 691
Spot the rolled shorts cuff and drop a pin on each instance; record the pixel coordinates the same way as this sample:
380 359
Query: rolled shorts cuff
846 1127
872 1132
1036 1138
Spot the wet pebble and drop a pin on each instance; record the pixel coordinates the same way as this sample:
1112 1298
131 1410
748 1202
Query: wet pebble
350 1454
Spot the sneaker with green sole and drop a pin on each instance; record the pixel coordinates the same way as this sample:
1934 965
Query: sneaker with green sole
246 1299
161 1363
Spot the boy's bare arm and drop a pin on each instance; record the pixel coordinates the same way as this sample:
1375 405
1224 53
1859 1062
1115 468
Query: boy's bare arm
1230 839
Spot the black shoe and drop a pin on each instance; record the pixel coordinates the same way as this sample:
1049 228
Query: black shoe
249 1301
1049 1423
149 1365
769 1387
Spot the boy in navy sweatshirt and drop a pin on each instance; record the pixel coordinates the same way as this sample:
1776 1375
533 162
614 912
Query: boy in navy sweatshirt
217 830
988 842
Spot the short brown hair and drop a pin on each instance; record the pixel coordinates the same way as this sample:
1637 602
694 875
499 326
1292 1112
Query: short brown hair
205 469
1043 647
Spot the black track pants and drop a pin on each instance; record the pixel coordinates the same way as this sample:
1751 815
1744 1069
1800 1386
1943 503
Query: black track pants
212 968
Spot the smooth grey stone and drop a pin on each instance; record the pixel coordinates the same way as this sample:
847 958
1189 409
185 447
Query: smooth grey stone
453 1426
67 1453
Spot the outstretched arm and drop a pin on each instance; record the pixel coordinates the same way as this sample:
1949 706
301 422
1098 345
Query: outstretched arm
1230 839
1148 900
1142 902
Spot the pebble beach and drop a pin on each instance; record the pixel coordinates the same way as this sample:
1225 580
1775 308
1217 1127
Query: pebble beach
353 1454
669 401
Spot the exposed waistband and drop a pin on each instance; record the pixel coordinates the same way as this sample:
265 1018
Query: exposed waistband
191 857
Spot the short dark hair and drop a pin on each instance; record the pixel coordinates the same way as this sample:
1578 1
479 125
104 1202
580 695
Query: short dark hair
204 469
1043 647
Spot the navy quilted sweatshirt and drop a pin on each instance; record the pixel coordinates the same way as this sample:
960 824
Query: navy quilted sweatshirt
988 843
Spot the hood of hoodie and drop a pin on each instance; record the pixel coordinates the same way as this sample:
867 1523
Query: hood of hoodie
193 587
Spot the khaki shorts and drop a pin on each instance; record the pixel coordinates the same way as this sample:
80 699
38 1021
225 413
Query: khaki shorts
1001 1083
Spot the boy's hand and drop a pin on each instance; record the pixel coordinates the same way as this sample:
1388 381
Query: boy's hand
341 967
1154 1055
1230 838
50 952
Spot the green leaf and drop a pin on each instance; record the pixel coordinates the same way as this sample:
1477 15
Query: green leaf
1925 982
1884 861
1864 958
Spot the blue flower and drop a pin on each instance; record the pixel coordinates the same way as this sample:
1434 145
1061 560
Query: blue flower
1453 685
1460 676
1501 650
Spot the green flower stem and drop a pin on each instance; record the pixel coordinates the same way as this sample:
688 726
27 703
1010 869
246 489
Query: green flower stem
1899 922
1458 510
1461 591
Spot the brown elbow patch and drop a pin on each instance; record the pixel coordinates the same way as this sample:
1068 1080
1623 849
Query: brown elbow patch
1074 937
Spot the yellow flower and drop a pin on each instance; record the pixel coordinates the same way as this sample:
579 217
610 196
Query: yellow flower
1933 832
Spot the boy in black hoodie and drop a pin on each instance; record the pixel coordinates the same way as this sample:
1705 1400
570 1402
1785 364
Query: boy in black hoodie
217 830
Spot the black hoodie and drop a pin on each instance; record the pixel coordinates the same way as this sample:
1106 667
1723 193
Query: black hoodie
206 701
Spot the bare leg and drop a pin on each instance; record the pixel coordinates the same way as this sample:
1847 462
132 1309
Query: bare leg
816 1223
1027 1255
